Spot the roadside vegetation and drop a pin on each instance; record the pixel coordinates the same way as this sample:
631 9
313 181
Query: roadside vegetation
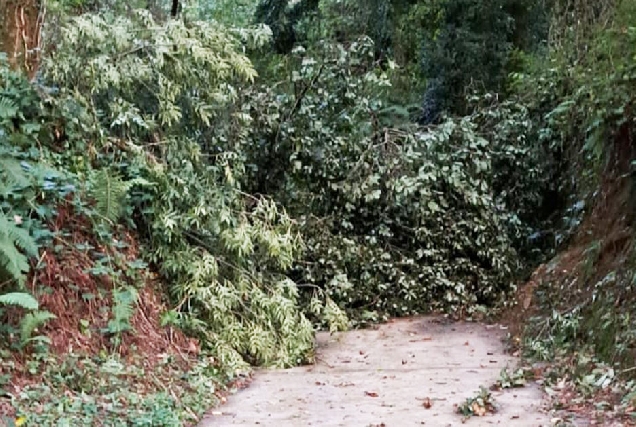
190 189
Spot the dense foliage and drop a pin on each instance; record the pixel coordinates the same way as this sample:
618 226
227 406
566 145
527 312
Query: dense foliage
286 165
225 261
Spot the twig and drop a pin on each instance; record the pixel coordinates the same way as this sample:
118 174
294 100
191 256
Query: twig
324 361
624 371
299 99
304 92
36 267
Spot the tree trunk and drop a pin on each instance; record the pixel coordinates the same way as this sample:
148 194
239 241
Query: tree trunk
20 33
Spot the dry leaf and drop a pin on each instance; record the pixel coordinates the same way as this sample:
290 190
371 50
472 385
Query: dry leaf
371 393
478 410
193 346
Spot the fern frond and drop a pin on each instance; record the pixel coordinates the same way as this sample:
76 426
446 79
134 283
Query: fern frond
8 108
109 192
14 263
31 321
123 309
19 299
19 236
12 175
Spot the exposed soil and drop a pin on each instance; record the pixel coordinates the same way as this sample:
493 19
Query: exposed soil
64 286
407 372
82 305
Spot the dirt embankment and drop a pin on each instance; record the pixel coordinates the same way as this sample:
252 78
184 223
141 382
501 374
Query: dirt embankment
582 300
71 282
601 246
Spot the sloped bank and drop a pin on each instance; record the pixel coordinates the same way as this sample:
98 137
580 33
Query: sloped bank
576 312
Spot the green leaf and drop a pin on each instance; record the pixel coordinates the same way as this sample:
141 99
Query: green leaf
31 321
19 299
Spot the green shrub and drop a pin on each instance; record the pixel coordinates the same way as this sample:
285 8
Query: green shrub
161 107
397 219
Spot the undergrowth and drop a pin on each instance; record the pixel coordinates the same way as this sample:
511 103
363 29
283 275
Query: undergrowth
108 391
211 194
580 318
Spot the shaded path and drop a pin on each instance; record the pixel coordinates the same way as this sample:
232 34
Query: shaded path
384 377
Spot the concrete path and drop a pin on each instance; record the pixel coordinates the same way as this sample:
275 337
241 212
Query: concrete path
405 373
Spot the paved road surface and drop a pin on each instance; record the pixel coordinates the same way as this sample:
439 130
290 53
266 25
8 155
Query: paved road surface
386 377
